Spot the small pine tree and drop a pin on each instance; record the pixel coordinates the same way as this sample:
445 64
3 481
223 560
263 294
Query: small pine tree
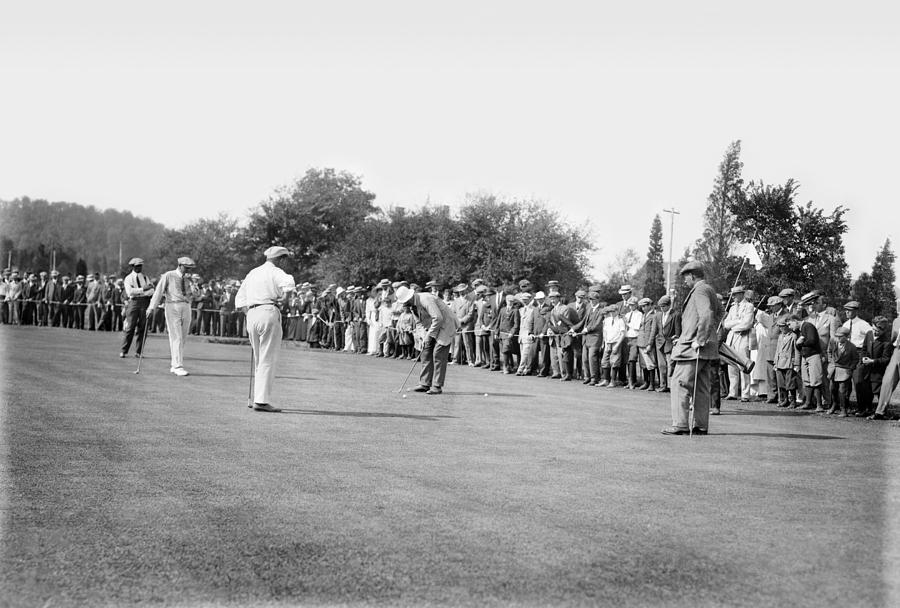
655 280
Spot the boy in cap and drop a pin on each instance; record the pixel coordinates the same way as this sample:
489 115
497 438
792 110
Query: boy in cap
787 361
261 292
646 348
179 290
843 359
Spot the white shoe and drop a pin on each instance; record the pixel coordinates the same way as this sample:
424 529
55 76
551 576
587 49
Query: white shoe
180 371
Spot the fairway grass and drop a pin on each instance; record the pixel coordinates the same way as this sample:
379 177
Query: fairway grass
121 489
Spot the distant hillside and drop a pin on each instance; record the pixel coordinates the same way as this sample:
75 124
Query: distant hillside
30 230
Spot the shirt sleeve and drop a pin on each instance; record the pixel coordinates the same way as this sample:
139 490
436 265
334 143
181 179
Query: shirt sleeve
159 291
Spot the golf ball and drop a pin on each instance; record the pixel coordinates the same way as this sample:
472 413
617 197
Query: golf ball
404 396
485 394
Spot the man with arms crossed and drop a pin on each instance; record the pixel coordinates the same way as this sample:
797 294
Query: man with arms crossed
260 293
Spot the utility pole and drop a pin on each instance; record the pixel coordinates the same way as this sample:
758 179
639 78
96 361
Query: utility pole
673 212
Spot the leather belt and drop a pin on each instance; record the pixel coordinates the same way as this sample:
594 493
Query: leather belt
263 304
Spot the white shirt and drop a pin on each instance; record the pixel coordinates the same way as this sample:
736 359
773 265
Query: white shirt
265 284
135 283
858 330
633 320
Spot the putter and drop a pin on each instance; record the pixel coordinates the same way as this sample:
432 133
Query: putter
143 345
252 378
405 380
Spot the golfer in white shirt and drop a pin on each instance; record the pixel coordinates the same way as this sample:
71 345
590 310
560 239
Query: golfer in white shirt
264 288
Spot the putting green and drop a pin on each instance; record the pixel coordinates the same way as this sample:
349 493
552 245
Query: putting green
122 489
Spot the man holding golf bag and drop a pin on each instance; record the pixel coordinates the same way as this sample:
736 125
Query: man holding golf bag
693 354
260 294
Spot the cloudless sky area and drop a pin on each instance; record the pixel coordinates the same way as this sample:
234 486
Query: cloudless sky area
609 112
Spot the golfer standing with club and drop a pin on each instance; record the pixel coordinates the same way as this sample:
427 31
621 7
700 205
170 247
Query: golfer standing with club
440 328
179 291
264 288
138 290
694 354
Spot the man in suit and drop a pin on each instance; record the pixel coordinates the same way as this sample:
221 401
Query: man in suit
590 329
562 320
494 303
52 298
666 327
694 354
441 326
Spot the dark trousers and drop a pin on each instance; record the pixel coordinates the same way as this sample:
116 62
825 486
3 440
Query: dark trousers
494 349
135 321
434 363
862 384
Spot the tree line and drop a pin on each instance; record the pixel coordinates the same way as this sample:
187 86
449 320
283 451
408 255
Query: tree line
338 235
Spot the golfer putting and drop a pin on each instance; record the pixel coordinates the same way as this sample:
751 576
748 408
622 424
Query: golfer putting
694 354
260 294
441 325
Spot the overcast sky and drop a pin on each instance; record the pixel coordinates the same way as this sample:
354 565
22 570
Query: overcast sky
610 112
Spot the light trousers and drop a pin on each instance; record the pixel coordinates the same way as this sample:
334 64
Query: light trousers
889 382
178 322
264 329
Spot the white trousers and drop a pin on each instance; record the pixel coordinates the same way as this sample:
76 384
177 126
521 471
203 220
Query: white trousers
178 323
264 329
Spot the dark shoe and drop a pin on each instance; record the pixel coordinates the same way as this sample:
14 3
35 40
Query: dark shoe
592 383
556 377
421 389
714 411
434 390
587 381
771 400
819 410
877 416
783 404
745 400
662 390
674 430
265 407
730 398
698 431
862 414
121 355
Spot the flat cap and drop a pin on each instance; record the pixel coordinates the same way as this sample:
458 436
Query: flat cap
524 297
481 289
580 293
275 252
809 297
781 322
842 331
738 289
477 282
185 261
691 267
136 262
852 305
644 301
593 295
460 288
664 301
54 273
78 278
773 300
624 289
525 284
632 300
786 292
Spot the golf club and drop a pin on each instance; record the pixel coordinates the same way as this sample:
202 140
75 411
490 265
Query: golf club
252 377
143 345
405 380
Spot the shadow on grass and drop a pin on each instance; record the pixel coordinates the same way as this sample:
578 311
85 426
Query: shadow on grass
778 435
244 375
767 413
463 394
433 418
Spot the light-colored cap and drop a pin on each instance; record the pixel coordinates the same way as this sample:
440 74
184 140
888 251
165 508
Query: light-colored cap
738 289
773 300
276 252
540 295
185 261
624 289
852 305
665 301
786 292
644 301
136 262
632 300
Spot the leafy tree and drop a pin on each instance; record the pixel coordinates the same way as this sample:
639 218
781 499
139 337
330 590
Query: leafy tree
310 216
800 246
875 291
214 244
715 246
654 268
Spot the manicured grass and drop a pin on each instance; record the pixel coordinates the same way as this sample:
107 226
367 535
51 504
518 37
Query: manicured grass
121 489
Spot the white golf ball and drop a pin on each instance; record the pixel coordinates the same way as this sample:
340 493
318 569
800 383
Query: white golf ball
404 396
485 394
